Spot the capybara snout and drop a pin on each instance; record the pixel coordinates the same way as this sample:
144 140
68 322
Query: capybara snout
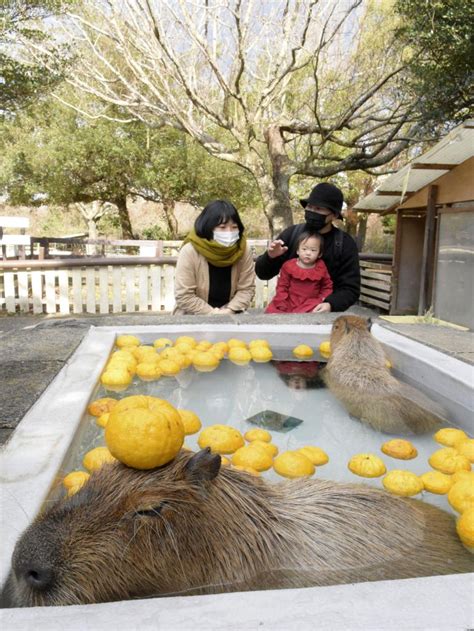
194 527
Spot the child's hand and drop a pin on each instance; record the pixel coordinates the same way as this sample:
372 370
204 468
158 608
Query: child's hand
323 307
277 248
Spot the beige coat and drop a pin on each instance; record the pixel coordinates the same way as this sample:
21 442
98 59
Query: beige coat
192 282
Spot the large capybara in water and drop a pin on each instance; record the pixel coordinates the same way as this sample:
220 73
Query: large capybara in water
194 527
357 375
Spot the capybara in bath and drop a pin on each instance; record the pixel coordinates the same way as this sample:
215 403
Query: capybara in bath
193 527
357 375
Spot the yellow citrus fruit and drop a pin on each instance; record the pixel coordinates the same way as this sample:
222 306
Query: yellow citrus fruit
448 460
222 439
220 347
76 479
239 355
292 464
116 379
235 343
404 483
204 361
261 354
124 357
303 351
461 495
191 422
270 448
466 448
367 465
463 475
258 343
142 351
465 528
169 353
325 349
99 406
148 371
388 364
218 351
144 432
449 436
437 482
183 361
399 448
183 347
252 456
127 340
97 457
186 339
162 342
169 367
224 460
317 455
103 419
203 345
258 434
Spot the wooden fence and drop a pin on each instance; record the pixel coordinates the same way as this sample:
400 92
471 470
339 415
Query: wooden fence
131 284
97 286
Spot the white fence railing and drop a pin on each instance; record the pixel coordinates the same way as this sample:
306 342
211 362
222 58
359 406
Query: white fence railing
99 286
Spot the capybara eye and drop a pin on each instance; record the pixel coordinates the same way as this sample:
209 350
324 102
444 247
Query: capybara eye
152 511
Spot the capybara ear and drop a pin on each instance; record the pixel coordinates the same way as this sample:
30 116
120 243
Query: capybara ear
203 466
369 324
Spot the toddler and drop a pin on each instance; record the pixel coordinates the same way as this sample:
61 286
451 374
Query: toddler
304 282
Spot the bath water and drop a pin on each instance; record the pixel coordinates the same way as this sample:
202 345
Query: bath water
233 394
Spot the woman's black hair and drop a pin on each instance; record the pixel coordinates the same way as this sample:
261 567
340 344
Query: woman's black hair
215 213
306 234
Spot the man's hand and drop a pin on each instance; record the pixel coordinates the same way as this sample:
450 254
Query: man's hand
323 307
225 311
276 248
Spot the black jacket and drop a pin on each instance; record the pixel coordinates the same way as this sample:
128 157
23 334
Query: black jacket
343 265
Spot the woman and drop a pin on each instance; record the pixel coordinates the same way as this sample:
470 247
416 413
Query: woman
215 272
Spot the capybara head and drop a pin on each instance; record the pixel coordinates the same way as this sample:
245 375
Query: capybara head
119 537
343 325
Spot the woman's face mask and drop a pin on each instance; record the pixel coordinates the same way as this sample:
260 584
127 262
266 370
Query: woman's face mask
226 237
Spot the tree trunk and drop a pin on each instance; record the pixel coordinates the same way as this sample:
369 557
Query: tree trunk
124 217
362 231
91 249
168 209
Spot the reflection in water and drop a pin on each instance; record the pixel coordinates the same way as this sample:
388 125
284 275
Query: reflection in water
300 375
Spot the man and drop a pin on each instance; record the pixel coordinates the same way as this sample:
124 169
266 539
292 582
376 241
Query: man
340 254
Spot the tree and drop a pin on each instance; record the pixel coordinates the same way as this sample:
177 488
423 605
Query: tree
279 88
51 151
22 82
440 35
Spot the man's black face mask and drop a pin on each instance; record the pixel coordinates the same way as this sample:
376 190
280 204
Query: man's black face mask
313 220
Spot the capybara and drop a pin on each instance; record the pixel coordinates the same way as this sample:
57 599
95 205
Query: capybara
192 527
357 375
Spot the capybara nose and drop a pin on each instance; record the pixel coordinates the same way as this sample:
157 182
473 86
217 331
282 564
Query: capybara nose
37 577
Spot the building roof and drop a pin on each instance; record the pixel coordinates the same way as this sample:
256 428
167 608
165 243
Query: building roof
454 149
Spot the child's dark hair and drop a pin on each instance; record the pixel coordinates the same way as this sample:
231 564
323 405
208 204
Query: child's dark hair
215 213
306 234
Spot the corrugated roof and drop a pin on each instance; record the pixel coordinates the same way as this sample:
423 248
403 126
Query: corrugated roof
452 150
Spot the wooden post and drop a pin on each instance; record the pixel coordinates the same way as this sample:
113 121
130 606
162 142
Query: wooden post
428 249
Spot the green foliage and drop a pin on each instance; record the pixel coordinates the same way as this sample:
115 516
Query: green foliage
22 82
439 38
155 233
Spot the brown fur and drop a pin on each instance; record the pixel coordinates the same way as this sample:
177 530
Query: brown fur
357 375
225 530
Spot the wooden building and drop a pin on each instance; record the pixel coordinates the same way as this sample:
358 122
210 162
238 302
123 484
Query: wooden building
433 198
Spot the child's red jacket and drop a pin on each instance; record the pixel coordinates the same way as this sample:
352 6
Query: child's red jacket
300 290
